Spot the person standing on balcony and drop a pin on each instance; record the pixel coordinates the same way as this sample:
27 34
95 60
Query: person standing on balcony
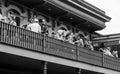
44 27
2 18
34 26
11 19
90 45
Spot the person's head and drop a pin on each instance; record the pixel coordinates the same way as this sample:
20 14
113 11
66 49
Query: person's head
115 52
53 34
40 21
12 16
109 48
43 21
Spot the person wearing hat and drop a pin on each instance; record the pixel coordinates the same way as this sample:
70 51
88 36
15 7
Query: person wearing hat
44 26
34 26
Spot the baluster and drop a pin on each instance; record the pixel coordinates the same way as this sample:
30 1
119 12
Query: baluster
16 35
22 38
77 52
19 36
29 39
37 41
33 34
35 38
9 33
5 32
17 40
40 45
25 38
13 34
27 35
44 42
103 59
1 32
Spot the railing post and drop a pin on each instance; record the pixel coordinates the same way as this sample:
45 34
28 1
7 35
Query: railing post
77 52
78 71
0 31
44 67
103 58
44 42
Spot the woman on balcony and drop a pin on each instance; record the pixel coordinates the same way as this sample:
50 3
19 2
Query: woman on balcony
61 34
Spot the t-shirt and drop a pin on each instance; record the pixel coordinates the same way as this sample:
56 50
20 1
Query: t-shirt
35 27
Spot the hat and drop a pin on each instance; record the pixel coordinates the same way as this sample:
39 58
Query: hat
36 19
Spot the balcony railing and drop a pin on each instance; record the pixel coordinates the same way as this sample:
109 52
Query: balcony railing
22 38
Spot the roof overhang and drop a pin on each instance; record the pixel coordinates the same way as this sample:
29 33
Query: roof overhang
80 9
81 13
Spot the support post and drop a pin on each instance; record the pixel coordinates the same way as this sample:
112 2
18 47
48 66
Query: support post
78 71
44 65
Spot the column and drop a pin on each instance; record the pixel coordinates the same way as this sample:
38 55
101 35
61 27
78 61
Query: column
78 71
44 67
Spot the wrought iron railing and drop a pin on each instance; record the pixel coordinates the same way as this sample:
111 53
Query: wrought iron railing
22 38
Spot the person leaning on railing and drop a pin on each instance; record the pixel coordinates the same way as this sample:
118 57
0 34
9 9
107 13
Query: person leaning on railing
44 27
70 37
12 20
115 53
107 51
60 34
88 44
34 26
79 41
3 18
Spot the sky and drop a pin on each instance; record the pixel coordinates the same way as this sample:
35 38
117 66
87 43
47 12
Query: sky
112 9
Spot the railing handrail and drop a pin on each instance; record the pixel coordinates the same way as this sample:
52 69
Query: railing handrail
20 37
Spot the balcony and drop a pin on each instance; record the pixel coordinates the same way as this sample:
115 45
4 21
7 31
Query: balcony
18 37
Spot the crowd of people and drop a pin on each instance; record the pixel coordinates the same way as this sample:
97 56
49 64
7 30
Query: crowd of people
39 26
108 51
70 37
10 19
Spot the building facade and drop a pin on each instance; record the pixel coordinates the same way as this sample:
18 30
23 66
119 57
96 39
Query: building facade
60 42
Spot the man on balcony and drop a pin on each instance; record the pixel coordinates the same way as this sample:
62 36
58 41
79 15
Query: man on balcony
34 26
